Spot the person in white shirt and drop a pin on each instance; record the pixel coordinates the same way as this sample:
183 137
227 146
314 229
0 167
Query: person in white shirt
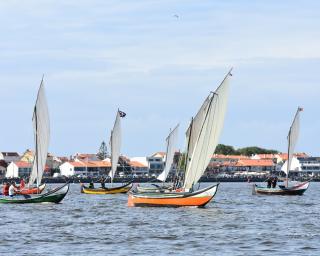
12 189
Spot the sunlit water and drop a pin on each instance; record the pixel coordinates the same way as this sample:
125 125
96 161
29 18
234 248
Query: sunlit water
236 223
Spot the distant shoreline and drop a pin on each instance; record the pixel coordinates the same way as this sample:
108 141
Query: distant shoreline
141 180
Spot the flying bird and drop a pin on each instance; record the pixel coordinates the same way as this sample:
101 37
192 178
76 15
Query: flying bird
176 16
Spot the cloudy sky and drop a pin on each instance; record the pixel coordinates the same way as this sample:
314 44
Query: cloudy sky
98 56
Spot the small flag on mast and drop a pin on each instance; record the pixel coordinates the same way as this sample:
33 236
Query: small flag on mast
122 114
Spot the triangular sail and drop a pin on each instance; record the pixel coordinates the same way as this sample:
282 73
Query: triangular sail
293 138
193 131
171 144
115 144
41 128
209 133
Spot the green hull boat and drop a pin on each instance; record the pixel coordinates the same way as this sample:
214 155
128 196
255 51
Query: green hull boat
53 196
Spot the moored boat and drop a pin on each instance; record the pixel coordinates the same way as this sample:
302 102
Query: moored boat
202 137
173 199
297 189
287 189
103 191
53 196
115 144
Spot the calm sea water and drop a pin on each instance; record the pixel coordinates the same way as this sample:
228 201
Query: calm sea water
236 223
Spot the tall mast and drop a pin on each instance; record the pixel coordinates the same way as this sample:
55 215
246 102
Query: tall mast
36 152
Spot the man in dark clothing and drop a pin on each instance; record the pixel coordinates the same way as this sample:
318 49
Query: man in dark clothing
91 185
269 180
103 182
274 182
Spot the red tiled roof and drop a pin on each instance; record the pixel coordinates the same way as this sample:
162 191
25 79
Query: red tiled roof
254 162
137 164
162 154
22 164
91 164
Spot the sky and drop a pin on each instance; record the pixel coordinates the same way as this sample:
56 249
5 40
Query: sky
157 61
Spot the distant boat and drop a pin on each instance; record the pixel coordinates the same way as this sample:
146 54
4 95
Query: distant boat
287 189
170 151
115 144
202 136
41 127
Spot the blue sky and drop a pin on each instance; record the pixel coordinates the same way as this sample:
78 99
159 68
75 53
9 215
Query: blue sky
98 56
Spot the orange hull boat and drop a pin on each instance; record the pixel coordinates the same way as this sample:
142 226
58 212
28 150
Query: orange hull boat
31 191
173 199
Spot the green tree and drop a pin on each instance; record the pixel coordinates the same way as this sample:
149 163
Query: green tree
225 150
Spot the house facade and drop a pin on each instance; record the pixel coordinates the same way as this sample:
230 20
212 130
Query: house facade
89 169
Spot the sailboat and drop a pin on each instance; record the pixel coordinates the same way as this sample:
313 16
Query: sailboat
115 144
294 189
41 127
202 137
170 151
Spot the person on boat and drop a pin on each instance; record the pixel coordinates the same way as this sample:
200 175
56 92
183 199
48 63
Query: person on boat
103 185
22 184
5 189
269 181
91 185
274 182
12 189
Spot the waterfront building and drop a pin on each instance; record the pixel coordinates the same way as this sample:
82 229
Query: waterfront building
156 163
27 156
85 168
302 166
3 168
139 166
9 156
18 169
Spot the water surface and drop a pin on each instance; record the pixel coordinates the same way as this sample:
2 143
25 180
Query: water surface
236 223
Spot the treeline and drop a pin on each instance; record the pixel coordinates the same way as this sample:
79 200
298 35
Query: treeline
247 151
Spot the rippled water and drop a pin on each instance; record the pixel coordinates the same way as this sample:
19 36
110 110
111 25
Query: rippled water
236 223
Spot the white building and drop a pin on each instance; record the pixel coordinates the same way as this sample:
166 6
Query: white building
18 169
139 166
90 168
156 163
304 165
9 156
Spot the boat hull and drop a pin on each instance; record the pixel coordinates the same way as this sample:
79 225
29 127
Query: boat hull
104 191
31 191
281 190
53 196
173 199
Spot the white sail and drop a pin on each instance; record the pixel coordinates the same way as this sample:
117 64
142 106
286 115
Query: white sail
115 144
209 133
41 127
293 138
171 144
193 131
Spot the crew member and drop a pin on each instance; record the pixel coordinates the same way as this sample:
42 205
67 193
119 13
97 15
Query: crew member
12 189
5 189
